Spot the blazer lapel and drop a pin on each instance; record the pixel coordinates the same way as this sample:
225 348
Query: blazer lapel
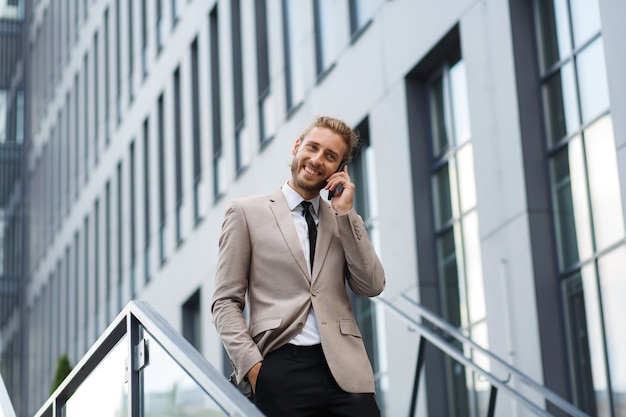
284 220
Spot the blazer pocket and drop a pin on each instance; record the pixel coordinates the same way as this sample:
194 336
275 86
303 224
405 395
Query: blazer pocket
258 328
349 327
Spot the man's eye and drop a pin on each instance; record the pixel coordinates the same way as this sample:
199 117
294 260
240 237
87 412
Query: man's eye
331 157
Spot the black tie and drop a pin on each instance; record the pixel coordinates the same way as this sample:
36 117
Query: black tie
312 229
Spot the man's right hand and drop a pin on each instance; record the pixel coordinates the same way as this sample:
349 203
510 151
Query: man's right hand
253 374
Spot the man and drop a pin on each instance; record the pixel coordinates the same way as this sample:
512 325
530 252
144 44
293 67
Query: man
302 353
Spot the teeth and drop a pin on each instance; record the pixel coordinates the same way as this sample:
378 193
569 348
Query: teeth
311 171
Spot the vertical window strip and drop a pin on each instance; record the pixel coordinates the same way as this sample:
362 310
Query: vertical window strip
266 115
96 98
87 282
178 163
144 38
96 266
216 114
132 217
238 93
162 177
68 153
76 137
131 52
86 113
107 74
120 236
76 301
146 197
107 251
118 64
197 147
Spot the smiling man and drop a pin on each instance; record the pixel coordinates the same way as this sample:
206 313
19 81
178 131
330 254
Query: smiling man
291 253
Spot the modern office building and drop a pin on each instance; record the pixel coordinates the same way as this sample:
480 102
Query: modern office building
492 176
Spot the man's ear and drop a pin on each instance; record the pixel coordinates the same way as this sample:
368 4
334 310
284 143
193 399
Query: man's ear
296 145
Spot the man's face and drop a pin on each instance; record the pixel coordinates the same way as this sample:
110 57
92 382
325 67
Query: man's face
315 158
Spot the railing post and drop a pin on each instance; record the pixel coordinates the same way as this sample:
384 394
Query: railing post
418 372
133 372
492 401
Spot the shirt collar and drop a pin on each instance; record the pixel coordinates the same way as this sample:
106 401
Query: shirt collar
294 199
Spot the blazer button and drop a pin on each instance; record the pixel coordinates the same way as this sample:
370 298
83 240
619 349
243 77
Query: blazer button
314 293
300 325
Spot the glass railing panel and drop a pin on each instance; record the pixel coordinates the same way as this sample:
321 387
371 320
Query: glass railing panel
6 407
104 393
170 391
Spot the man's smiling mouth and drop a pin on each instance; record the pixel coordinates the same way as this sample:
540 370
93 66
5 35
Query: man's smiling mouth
311 171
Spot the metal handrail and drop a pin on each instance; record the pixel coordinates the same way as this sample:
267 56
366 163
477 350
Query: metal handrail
6 407
447 347
140 313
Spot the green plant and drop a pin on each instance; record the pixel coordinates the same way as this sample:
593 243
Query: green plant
63 370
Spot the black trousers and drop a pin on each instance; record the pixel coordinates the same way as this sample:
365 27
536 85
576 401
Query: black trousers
295 381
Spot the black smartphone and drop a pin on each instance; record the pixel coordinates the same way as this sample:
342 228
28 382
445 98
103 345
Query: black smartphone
339 188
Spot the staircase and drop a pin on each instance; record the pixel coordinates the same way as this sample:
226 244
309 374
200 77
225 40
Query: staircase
142 366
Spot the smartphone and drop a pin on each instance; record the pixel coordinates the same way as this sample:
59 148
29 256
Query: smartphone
339 188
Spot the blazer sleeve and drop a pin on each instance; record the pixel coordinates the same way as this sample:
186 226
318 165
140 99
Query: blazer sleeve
366 276
231 283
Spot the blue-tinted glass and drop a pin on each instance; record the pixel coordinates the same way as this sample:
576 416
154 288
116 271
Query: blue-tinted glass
592 82
560 104
585 20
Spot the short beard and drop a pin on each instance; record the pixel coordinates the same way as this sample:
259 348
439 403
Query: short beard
312 188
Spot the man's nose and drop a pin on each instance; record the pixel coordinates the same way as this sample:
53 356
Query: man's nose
316 157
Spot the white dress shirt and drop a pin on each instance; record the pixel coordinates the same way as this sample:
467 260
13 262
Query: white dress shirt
309 334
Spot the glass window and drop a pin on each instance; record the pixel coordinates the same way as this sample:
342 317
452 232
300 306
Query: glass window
132 199
197 146
216 114
107 252
162 177
86 287
146 198
295 34
96 95
587 207
118 63
96 267
361 12
585 15
86 114
608 221
4 110
192 320
159 25
107 71
131 52
611 269
554 28
120 235
560 104
178 157
457 239
144 38
266 102
593 85
327 36
362 171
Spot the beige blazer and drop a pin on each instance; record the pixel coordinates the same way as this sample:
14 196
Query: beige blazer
259 252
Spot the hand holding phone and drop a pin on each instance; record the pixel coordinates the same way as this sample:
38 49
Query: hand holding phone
339 188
